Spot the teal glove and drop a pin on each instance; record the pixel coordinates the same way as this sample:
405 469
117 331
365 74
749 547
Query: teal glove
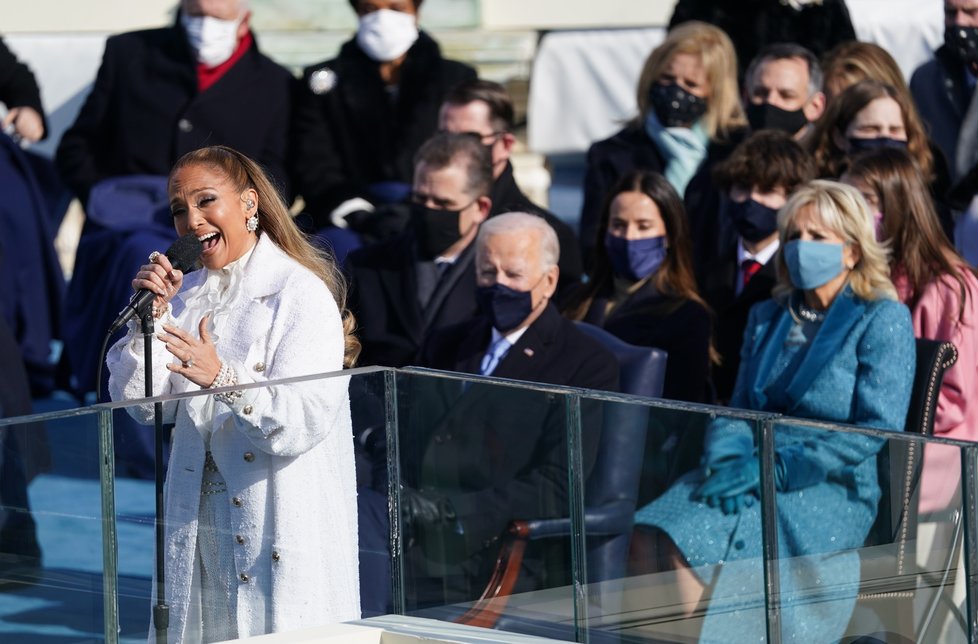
727 445
797 469
732 487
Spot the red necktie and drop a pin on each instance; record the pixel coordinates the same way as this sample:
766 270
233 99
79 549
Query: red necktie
748 269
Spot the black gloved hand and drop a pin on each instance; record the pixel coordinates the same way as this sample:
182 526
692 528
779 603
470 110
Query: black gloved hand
419 511
386 221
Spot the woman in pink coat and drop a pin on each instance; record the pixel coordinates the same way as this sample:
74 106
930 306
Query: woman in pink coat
941 290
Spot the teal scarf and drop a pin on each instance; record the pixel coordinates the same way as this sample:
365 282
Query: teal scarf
683 147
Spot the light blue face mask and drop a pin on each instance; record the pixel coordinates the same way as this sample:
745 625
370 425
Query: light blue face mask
812 263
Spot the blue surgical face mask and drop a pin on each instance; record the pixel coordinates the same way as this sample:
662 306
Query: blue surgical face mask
635 259
753 220
812 263
505 307
865 145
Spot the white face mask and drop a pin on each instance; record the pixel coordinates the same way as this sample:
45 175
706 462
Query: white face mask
386 35
213 39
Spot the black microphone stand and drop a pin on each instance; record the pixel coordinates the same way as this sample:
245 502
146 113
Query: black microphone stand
161 612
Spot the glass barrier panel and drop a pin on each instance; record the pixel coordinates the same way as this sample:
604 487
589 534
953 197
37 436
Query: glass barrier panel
260 502
482 465
870 535
51 554
673 549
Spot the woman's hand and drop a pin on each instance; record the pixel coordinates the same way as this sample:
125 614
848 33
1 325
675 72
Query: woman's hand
161 278
198 361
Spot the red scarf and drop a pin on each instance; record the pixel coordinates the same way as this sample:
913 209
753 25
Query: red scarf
207 76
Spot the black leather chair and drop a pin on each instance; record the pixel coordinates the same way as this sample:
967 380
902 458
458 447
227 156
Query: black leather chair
899 466
611 488
896 512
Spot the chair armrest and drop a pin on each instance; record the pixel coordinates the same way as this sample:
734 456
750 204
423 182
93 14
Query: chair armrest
609 519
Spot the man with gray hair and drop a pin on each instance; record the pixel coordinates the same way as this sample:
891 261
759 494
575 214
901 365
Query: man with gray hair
783 88
494 454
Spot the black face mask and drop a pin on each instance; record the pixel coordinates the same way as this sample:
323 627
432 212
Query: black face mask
674 106
962 42
505 307
435 230
770 117
865 145
754 221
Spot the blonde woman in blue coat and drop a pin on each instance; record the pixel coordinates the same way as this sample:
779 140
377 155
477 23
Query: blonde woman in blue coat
834 345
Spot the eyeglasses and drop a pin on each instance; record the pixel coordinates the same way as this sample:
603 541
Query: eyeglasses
487 140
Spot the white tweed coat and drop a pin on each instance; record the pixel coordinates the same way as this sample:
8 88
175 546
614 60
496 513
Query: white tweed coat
286 452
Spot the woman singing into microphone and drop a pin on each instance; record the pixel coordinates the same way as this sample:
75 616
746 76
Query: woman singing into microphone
260 501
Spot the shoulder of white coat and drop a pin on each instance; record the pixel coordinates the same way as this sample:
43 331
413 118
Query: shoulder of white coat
272 272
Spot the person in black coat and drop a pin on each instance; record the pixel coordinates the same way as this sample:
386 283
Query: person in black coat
642 289
22 97
361 117
734 267
485 109
32 300
155 98
478 457
817 25
690 117
414 284
20 553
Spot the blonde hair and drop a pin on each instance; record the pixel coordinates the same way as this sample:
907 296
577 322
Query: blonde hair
716 53
275 221
841 209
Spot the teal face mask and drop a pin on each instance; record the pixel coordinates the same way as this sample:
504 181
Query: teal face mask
812 263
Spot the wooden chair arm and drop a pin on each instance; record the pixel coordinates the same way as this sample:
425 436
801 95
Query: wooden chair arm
490 606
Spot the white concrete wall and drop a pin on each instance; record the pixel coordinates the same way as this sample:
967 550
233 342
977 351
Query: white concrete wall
575 14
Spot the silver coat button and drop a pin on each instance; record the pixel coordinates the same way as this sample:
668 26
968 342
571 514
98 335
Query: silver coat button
259 366
239 539
244 578
185 126
247 410
275 555
249 456
236 501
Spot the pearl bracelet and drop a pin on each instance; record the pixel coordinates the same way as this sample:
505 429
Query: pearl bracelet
226 377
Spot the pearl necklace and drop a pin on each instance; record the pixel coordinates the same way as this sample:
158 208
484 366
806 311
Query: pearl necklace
805 313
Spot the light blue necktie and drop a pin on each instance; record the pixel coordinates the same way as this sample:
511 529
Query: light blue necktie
493 355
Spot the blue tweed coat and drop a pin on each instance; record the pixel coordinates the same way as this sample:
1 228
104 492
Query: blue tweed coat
858 369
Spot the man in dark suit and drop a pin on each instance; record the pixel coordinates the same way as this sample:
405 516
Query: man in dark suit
734 270
361 117
476 457
783 89
485 109
424 279
161 93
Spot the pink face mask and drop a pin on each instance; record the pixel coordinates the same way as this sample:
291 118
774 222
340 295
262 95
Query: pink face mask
878 225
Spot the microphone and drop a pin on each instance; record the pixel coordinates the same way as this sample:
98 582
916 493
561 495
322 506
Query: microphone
183 254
